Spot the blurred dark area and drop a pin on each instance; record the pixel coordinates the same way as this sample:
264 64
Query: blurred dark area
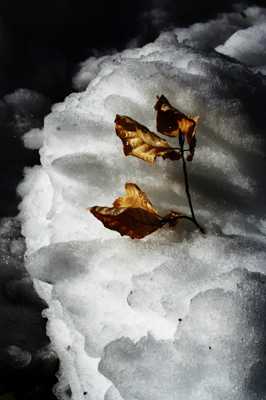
27 362
42 41
20 111
41 45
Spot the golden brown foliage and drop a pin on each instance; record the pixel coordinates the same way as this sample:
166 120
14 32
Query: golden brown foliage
172 122
138 141
133 214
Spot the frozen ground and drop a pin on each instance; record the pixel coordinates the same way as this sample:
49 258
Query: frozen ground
176 315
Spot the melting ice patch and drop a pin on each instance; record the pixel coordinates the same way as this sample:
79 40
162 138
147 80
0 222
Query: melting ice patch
175 315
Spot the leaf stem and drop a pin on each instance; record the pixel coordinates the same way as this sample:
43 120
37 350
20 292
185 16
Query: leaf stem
177 148
193 217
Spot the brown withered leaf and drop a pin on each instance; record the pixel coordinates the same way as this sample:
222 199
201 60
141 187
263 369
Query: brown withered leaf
132 214
134 198
172 122
138 141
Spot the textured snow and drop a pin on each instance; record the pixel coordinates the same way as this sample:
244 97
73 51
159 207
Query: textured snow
177 315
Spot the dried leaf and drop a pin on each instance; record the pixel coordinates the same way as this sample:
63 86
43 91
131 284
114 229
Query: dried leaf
134 198
138 141
172 122
132 214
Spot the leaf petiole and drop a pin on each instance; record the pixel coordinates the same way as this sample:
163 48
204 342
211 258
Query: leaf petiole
193 217
177 148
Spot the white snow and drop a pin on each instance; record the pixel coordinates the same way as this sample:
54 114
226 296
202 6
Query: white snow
176 315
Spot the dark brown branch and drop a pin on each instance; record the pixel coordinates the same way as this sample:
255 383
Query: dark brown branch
193 217
176 148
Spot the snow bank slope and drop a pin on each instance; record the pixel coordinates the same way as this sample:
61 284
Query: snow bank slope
177 315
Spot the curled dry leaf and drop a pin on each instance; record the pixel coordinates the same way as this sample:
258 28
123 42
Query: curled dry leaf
172 122
138 141
133 214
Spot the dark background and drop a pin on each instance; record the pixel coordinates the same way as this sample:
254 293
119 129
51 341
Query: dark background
41 45
44 40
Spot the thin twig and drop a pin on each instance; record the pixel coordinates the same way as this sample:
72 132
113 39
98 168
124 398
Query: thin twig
188 193
176 217
176 148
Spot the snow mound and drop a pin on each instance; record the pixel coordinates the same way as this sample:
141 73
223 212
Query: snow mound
176 315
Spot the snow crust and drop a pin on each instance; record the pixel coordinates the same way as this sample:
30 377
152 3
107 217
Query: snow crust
176 315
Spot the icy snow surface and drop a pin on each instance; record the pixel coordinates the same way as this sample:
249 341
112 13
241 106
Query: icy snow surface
176 315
